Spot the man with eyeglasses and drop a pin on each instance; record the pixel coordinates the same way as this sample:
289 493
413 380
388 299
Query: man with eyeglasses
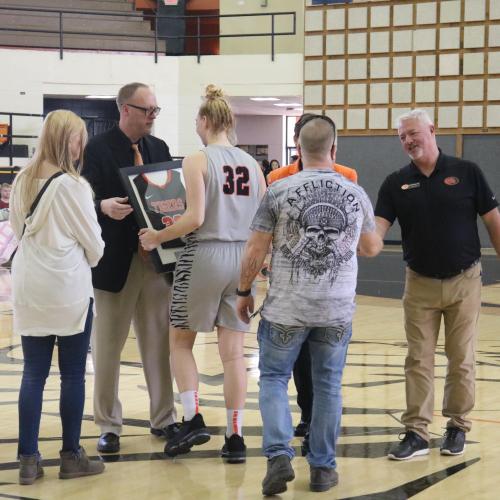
127 288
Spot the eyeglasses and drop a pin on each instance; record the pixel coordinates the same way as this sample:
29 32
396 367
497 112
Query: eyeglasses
147 111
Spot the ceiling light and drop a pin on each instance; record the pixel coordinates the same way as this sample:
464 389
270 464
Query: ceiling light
100 97
288 104
264 99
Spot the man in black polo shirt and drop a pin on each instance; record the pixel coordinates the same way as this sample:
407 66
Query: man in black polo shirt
436 199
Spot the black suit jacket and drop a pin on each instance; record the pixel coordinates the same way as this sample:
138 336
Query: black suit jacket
104 155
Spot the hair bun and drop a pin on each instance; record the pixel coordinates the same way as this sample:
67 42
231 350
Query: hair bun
213 92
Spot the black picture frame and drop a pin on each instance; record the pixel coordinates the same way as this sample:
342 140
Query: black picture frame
161 210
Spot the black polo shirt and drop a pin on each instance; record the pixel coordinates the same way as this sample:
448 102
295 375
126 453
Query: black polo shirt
437 214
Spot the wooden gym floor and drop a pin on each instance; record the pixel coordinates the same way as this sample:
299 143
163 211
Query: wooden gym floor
373 390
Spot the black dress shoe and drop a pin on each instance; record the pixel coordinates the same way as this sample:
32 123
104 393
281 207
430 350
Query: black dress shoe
304 447
167 432
302 429
108 443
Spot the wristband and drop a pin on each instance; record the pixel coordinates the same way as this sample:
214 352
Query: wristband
243 293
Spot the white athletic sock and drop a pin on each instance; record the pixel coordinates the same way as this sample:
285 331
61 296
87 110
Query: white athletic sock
189 400
234 422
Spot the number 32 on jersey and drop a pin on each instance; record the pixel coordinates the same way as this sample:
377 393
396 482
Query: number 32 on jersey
237 180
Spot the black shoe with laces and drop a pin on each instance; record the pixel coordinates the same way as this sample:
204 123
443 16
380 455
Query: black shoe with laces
167 432
279 472
190 433
323 478
412 445
234 450
454 441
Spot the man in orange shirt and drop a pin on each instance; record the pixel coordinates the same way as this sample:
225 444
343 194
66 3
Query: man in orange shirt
302 368
282 172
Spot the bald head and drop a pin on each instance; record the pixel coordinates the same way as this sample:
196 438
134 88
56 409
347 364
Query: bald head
317 142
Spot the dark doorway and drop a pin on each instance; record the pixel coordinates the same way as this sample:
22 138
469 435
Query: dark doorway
99 114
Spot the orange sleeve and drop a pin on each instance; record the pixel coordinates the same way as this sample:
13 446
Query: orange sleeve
279 173
271 177
347 172
286 171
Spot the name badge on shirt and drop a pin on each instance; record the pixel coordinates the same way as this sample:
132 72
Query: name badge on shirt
415 185
451 181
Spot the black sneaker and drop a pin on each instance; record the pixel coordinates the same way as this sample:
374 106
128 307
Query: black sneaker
302 429
454 441
234 450
190 433
167 432
412 445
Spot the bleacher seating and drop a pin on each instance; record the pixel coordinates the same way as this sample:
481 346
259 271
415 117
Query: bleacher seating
97 24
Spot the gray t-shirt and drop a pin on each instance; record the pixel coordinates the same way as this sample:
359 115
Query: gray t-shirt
316 218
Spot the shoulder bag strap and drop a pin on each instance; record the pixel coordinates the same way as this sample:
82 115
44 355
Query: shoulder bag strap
39 196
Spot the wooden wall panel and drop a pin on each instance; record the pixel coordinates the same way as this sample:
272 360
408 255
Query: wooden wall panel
380 58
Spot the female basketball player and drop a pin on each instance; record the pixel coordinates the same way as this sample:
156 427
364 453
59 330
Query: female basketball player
223 188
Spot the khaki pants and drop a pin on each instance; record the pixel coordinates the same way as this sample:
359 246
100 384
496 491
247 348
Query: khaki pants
144 300
425 301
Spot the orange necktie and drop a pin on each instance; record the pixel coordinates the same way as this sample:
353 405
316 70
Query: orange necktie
137 156
143 254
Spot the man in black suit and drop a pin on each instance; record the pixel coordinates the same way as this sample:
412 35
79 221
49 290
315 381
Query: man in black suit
127 289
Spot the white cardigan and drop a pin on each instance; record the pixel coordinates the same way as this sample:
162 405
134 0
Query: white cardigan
51 277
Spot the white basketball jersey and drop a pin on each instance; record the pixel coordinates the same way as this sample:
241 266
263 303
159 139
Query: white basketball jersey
231 194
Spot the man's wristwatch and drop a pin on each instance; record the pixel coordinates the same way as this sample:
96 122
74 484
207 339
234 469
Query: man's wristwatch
243 293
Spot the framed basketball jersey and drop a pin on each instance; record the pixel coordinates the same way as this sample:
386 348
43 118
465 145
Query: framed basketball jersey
158 196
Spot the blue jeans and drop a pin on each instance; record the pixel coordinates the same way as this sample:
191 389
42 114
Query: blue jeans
279 347
37 352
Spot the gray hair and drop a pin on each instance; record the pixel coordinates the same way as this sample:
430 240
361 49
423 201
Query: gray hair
415 114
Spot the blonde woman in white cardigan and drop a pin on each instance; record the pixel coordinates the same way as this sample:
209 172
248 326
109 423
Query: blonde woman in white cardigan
52 288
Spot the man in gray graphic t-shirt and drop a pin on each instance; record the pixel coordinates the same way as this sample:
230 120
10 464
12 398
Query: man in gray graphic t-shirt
317 220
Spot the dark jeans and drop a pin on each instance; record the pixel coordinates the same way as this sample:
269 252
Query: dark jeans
37 352
302 378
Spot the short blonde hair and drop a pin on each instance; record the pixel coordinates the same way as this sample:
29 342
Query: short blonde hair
53 149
